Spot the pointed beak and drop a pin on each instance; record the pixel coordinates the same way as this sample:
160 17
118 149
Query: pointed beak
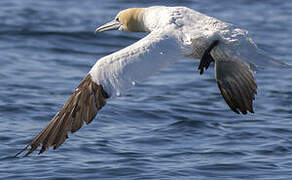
113 25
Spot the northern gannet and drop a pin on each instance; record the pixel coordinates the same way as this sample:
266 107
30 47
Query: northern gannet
174 33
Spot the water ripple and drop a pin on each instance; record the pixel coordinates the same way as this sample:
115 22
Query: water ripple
164 128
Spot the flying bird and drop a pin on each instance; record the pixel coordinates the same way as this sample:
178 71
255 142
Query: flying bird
174 33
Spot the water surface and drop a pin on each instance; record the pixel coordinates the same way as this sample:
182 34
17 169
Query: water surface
175 125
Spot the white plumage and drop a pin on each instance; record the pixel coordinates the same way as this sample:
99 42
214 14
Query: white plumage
175 32
118 71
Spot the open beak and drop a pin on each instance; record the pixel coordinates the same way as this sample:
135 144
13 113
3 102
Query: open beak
113 25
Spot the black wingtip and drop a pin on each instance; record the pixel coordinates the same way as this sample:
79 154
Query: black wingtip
207 58
21 151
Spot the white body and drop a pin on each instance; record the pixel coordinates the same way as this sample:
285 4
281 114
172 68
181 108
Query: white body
175 32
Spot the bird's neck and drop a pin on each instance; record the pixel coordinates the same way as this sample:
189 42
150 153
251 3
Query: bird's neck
153 18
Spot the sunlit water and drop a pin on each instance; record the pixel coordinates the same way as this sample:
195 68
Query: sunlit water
175 125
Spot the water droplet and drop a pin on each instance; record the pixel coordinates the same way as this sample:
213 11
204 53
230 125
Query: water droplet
133 83
118 94
161 53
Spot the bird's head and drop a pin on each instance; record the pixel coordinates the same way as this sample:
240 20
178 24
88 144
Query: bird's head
127 20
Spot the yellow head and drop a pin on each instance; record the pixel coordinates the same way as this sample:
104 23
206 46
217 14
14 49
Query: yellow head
127 20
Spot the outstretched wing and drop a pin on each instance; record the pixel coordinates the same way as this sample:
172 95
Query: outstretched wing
83 105
234 78
236 83
111 74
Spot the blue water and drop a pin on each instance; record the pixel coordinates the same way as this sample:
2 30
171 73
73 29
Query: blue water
175 125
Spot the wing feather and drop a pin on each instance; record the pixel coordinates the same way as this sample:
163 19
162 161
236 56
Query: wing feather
237 84
83 105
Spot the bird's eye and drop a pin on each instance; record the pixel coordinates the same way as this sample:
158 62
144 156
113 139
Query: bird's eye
117 19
